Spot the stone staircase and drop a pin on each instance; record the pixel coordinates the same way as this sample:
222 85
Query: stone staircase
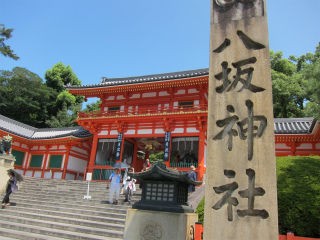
45 209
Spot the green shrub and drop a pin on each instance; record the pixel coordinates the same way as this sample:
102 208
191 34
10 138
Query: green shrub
200 211
298 196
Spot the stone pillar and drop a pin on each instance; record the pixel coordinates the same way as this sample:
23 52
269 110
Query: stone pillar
241 191
6 163
144 225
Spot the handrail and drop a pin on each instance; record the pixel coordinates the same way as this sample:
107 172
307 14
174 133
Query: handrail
144 110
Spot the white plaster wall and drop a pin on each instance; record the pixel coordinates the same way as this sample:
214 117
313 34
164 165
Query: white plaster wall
110 98
24 146
37 174
114 132
76 164
19 171
42 148
48 174
70 176
149 94
120 97
28 173
57 175
104 132
136 95
145 131
318 146
163 93
129 132
79 150
178 130
159 130
192 130
282 146
192 90
305 146
181 91
196 102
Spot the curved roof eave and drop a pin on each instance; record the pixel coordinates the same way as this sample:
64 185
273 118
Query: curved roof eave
110 82
26 131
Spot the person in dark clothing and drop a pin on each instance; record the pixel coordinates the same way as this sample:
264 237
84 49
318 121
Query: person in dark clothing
192 176
11 187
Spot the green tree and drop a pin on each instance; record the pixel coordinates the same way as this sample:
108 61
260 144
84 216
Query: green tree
92 107
64 106
5 34
299 195
289 87
309 67
24 97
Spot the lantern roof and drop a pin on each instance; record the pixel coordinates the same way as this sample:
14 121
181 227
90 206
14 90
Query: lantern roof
159 172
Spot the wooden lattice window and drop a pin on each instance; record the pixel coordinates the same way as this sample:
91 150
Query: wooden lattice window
185 104
36 161
114 108
19 156
55 161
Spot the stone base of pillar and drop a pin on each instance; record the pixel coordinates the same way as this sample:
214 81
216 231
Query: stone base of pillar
6 163
143 224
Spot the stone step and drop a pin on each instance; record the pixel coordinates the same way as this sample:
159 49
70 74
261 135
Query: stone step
62 223
68 220
20 211
107 212
64 233
56 209
77 199
10 234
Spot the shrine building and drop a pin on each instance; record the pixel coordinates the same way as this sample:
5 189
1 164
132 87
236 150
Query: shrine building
163 114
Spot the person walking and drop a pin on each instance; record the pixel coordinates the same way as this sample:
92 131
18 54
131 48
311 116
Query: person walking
129 187
115 186
10 188
192 176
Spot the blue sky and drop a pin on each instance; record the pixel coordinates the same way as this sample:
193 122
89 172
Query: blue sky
119 38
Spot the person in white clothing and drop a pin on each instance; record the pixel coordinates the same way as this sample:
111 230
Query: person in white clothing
115 185
129 187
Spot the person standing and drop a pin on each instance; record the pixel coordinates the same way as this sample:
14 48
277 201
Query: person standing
115 185
11 187
129 187
192 176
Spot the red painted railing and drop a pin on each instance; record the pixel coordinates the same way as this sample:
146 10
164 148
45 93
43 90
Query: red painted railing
141 110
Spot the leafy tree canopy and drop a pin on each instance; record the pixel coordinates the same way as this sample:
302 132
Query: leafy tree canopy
65 106
24 97
60 76
296 85
5 50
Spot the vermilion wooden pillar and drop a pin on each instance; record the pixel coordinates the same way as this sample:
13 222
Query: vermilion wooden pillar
93 153
201 169
65 164
44 166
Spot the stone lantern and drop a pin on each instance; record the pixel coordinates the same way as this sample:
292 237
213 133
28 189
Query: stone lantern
163 210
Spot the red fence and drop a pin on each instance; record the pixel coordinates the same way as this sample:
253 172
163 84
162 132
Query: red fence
290 236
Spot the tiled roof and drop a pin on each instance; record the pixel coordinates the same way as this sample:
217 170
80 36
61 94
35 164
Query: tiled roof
26 131
147 78
293 125
281 126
